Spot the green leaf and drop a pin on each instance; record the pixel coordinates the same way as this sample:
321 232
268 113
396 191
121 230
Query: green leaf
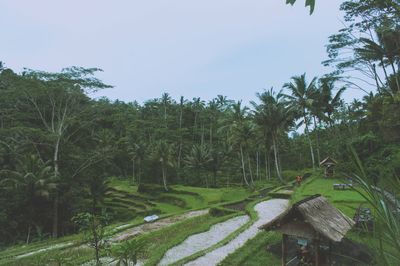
309 3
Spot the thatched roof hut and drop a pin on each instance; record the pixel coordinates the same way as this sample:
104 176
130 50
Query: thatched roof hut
313 218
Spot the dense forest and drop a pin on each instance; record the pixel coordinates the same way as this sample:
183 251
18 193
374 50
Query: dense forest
59 146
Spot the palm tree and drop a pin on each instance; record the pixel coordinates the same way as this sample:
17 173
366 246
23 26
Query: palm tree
385 51
35 179
182 103
165 100
240 132
136 152
162 153
327 102
197 106
198 159
274 117
301 99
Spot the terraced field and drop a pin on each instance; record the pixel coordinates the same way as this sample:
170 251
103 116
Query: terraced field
128 205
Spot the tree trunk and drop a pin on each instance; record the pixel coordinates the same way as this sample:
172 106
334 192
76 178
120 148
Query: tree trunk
164 175
278 170
310 143
243 167
206 178
56 198
258 166
133 171
55 216
139 170
215 176
317 135
180 142
29 234
396 78
251 171
266 165
95 241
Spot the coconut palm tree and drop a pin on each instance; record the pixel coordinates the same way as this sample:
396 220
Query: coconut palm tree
241 134
198 159
386 51
274 117
325 101
35 179
163 154
301 99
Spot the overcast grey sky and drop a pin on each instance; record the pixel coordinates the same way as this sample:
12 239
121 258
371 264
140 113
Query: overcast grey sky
185 47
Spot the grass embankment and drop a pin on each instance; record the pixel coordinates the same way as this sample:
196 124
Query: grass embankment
254 252
123 199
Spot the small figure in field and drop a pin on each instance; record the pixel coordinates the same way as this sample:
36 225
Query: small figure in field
298 180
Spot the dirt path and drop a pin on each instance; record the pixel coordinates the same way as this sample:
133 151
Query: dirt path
149 227
204 240
267 210
55 246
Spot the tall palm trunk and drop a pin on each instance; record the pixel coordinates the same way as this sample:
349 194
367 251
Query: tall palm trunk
56 197
133 171
29 234
139 170
317 138
309 142
258 166
206 179
180 144
164 175
243 166
250 170
267 164
278 170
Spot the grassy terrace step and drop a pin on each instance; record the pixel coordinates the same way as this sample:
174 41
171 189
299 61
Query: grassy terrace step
130 194
127 203
118 205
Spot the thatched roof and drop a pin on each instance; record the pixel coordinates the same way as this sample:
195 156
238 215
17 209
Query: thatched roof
328 161
313 217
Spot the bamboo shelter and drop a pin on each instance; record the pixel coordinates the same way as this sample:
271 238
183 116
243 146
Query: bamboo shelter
314 219
329 164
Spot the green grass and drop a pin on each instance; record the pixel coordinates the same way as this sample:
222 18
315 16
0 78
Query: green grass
345 200
253 252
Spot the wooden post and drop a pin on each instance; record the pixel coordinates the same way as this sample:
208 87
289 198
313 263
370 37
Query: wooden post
316 243
284 238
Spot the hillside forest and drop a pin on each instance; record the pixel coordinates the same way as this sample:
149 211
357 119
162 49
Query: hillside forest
59 146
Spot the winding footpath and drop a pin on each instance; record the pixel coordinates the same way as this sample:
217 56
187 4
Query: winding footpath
153 226
267 211
201 241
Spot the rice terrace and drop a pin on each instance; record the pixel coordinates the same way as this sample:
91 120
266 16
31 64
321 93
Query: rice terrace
200 133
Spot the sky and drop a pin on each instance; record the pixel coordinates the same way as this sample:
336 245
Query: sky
184 47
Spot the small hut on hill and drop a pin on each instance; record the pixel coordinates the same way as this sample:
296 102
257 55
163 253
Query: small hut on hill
313 221
328 163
